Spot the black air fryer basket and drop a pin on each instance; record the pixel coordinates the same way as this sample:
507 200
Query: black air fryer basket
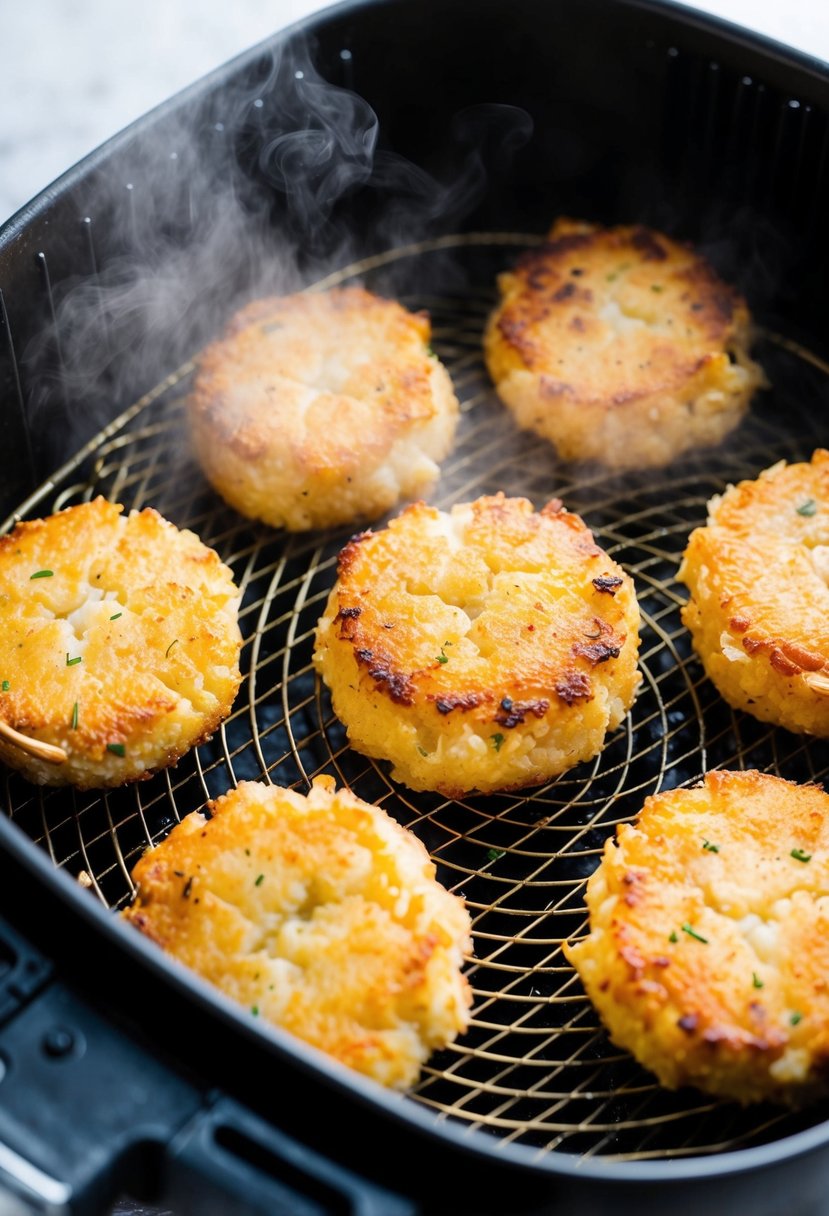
417 148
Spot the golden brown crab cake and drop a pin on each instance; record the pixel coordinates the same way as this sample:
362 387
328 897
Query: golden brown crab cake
323 408
758 613
119 647
320 914
620 345
708 949
488 648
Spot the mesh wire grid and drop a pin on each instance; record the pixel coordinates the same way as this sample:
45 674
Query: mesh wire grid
535 1066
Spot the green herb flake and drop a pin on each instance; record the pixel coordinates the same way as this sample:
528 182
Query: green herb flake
255 1010
709 847
494 854
807 508
42 574
115 616
443 657
673 937
795 1018
170 647
117 749
75 716
497 741
657 287
691 931
422 750
799 855
260 879
72 662
756 982
6 686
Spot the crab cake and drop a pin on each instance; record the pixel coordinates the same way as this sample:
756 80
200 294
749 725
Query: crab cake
322 408
758 576
489 648
620 345
119 649
708 950
321 914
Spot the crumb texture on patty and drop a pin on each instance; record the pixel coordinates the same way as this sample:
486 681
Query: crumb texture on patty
490 647
707 955
120 643
320 914
322 408
620 345
758 612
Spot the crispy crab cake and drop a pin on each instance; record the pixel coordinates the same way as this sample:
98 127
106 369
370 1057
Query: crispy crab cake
322 408
620 345
488 648
321 914
120 645
758 577
708 951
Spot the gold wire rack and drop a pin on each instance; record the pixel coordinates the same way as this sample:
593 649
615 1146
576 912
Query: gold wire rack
535 1067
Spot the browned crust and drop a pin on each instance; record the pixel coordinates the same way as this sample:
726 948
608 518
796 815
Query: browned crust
753 579
232 898
380 646
139 682
248 381
709 1010
541 294
620 345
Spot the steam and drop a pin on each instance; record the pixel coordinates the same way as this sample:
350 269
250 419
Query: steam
249 191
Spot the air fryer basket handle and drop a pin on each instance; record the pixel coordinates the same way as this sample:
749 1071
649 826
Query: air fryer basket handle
87 1112
229 1152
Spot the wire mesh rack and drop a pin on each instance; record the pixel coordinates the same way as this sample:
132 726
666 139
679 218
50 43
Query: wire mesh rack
535 1066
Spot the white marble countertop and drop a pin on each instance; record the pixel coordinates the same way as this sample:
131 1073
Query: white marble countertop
74 72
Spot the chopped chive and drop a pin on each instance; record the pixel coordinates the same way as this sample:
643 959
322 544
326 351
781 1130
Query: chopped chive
657 287
691 931
799 855
494 854
170 647
709 847
255 1010
75 716
259 880
756 982
422 750
117 749
673 937
497 741
42 574
809 507
795 1018
115 616
72 662
6 686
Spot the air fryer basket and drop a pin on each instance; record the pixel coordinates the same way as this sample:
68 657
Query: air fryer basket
417 150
